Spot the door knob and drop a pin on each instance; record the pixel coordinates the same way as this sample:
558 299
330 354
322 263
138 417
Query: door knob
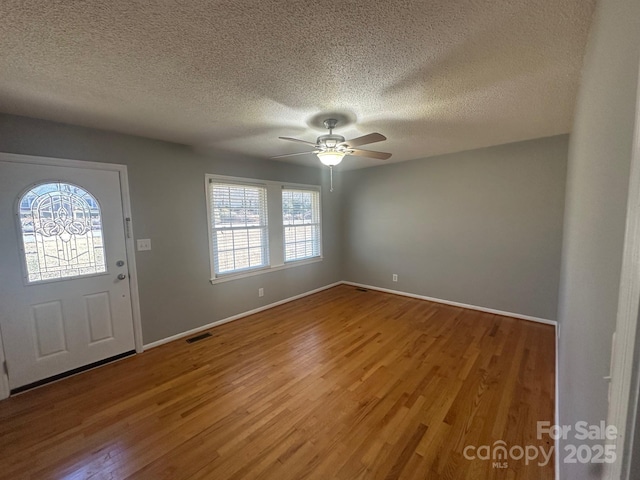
122 276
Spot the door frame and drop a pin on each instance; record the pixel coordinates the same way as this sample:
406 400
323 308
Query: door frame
622 400
129 241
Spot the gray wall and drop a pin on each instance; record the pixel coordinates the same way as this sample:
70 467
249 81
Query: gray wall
488 218
482 227
168 203
598 178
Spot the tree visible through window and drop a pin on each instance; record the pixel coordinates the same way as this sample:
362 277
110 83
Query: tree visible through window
301 219
61 232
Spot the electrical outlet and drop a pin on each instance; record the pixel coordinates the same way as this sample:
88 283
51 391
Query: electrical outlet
144 244
261 292
395 277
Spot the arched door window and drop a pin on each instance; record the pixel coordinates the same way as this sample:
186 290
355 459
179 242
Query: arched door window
61 232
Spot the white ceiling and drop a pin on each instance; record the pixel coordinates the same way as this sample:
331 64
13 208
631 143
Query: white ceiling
434 76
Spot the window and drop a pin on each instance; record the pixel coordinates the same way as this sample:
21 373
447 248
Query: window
239 226
241 241
301 220
61 232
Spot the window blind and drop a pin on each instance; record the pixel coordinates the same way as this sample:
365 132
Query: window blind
239 226
301 221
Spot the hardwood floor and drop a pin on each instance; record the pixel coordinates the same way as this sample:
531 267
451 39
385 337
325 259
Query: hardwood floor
343 384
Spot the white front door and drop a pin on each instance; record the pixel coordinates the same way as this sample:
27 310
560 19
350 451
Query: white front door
64 287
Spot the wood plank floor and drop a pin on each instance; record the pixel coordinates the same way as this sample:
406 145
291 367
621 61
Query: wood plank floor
343 384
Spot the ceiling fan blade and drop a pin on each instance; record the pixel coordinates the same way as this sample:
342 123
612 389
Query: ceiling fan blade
292 154
370 154
364 140
296 140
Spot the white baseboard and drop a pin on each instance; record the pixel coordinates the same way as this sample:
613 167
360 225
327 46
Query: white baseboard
235 317
455 304
370 287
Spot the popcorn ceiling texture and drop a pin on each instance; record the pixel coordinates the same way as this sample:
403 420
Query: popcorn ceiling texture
433 76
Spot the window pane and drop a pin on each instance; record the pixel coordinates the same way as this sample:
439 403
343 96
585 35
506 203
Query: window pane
241 259
256 256
301 218
240 239
224 240
61 232
255 238
225 261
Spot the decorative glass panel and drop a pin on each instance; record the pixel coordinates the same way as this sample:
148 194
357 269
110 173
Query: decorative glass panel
61 232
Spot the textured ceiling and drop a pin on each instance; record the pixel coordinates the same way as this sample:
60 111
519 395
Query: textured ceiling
434 76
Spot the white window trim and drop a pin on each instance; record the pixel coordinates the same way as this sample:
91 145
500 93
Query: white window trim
275 227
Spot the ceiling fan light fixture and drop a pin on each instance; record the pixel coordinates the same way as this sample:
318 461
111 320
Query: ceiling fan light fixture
331 157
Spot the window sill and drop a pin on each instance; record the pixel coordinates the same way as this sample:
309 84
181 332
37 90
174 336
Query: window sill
230 277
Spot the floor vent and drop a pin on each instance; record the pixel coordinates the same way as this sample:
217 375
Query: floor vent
362 289
198 337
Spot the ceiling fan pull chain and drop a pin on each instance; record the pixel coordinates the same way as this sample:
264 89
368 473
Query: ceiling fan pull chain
331 174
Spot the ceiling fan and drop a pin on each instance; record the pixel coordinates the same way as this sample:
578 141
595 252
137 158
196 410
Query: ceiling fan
332 148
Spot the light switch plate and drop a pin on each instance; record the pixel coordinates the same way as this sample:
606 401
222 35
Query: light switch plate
144 244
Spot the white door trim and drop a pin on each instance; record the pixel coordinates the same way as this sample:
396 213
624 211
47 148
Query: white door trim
621 406
126 208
